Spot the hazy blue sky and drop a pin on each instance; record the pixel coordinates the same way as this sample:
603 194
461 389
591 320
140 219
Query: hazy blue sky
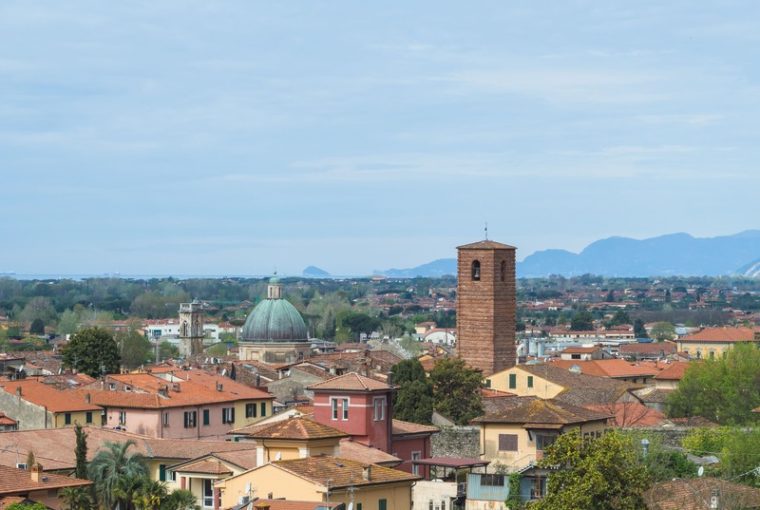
232 137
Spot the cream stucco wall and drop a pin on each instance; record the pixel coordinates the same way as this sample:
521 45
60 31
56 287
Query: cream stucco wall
76 417
526 447
703 350
541 387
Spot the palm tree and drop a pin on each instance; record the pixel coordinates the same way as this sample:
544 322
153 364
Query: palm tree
77 498
181 499
117 474
151 496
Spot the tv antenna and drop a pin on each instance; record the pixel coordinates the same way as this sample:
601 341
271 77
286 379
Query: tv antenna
486 230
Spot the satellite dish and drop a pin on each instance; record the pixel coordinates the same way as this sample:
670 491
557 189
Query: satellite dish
701 471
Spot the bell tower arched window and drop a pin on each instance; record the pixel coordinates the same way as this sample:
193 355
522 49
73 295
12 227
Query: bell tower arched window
476 270
503 270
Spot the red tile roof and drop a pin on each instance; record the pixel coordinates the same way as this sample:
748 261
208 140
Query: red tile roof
631 414
47 395
486 245
339 473
664 348
530 411
723 335
350 382
15 481
283 504
407 428
613 368
297 428
673 372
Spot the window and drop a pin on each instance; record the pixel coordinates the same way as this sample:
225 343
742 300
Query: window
67 418
492 480
507 442
250 410
206 417
416 467
379 409
443 504
358 506
190 419
263 409
166 419
544 440
430 505
476 270
228 415
512 381
530 381
162 472
382 504
208 493
334 405
503 271
122 417
344 405
88 417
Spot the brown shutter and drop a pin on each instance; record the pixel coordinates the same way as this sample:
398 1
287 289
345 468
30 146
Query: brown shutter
508 442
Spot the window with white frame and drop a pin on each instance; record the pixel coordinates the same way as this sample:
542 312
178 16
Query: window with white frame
378 408
416 467
122 417
345 408
334 406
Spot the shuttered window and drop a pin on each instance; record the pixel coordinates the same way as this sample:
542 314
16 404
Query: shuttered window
507 442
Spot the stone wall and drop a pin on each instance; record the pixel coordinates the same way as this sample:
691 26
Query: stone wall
456 442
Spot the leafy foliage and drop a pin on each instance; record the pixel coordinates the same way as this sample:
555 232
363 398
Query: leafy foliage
117 474
663 331
77 498
37 327
582 321
603 474
722 390
414 399
456 390
26 506
135 348
662 463
92 351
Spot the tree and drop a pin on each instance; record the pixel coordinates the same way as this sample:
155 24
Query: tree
135 349
39 308
360 323
602 473
117 474
663 331
181 499
414 399
723 390
92 351
456 390
639 331
166 351
80 452
663 463
69 321
37 327
582 321
151 496
26 506
620 317
77 498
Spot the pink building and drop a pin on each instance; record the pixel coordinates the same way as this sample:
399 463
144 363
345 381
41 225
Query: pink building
363 408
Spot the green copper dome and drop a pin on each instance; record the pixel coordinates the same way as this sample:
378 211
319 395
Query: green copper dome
274 320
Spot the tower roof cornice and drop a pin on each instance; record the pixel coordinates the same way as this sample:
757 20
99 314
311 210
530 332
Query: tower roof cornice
486 245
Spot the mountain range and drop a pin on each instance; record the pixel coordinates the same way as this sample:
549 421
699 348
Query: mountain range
668 255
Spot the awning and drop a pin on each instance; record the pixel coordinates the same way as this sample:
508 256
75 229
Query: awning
451 462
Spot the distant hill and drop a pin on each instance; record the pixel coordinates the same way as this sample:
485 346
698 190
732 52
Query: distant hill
435 269
315 272
669 255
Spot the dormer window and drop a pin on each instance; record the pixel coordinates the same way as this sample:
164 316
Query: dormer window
476 270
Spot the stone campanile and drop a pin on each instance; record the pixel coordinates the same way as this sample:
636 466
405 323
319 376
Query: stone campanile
486 305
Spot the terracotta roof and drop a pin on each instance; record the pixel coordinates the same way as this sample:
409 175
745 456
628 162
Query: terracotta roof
338 472
47 395
407 428
54 448
536 411
630 414
612 368
6 420
648 348
297 428
19 481
245 459
723 335
350 382
674 371
284 504
486 245
695 494
208 466
580 389
359 452
581 350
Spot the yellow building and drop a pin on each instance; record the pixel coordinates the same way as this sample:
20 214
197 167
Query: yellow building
550 381
42 404
323 478
714 342
516 431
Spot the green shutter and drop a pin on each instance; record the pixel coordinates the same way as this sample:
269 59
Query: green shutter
206 417
530 381
162 472
263 409
512 381
382 504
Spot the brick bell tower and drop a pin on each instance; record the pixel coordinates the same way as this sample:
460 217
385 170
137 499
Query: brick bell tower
486 305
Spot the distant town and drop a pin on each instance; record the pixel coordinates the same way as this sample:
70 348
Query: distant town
473 392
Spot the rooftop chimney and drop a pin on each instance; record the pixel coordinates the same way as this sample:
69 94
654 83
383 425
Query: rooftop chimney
219 387
36 470
18 391
367 472
87 398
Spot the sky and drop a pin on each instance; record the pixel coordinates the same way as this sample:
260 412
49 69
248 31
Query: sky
240 137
